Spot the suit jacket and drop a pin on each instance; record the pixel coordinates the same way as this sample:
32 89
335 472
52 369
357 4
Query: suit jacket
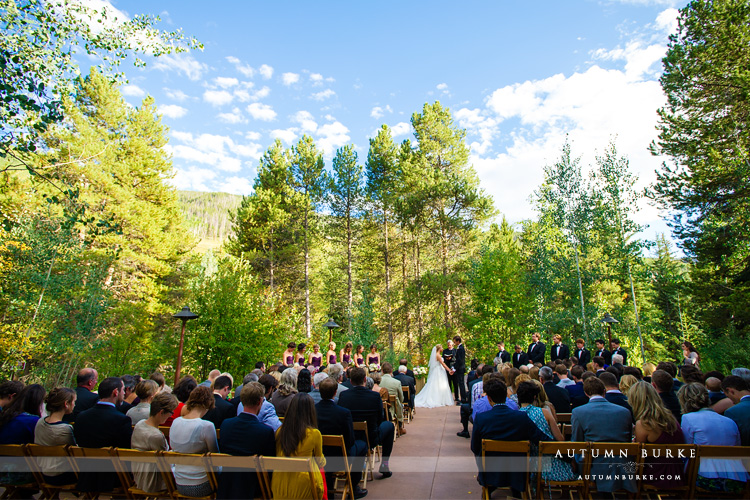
520 359
740 413
504 356
672 404
577 396
394 389
243 435
365 406
502 424
222 410
459 363
619 399
601 421
558 396
85 399
584 357
410 373
559 352
623 353
536 353
99 427
406 380
606 355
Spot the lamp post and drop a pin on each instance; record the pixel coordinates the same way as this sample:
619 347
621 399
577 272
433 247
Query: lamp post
184 315
608 320
331 325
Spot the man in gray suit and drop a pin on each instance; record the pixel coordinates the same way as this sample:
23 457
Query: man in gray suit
602 421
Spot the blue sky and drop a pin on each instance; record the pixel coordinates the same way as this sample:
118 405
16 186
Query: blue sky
518 76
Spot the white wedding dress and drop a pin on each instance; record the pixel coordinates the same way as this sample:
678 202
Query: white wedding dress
436 392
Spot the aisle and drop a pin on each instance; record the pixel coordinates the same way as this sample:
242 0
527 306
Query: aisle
430 461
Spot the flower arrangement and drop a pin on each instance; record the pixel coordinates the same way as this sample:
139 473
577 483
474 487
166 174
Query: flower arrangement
420 371
373 367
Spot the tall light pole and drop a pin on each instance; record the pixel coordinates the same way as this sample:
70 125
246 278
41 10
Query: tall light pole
609 321
331 325
185 315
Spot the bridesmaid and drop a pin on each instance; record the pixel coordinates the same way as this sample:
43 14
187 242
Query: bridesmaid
287 358
316 357
374 356
346 353
331 354
299 358
359 356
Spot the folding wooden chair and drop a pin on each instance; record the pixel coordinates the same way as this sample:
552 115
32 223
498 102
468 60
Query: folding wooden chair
738 454
245 463
567 431
280 465
165 461
631 451
345 473
552 448
15 458
147 461
165 430
408 410
39 458
102 461
370 461
688 478
563 418
517 447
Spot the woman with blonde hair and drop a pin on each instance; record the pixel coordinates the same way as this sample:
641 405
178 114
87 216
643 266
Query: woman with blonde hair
626 382
648 369
654 424
286 391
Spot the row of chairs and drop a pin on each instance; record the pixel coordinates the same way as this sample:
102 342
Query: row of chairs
635 453
121 461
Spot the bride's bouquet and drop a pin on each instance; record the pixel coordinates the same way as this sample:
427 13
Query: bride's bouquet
373 367
420 371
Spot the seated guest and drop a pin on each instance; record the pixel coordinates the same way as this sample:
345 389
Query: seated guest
407 381
654 424
85 397
557 396
161 382
601 421
664 385
575 391
405 362
8 390
250 377
562 373
617 362
691 374
366 406
145 390
299 437
502 424
52 431
553 469
598 363
633 371
335 420
191 434
472 375
703 426
267 414
318 378
212 376
286 391
148 437
470 411
479 372
613 394
715 393
222 408
626 382
648 370
182 391
738 391
394 389
244 435
304 381
102 426
477 389
671 369
129 401
20 417
336 372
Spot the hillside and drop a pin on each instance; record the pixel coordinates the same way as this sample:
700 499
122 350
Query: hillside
208 215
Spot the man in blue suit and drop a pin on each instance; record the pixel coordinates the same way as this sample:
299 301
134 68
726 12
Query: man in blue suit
738 391
501 424
244 435
602 421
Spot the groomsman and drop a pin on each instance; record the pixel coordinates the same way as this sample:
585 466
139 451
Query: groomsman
559 350
520 358
616 349
604 353
502 353
536 349
583 354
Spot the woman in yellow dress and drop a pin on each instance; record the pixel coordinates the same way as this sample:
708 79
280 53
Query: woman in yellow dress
299 437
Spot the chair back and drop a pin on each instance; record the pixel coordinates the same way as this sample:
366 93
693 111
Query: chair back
284 464
659 452
165 430
362 427
518 447
735 458
167 459
563 418
339 462
126 457
560 448
245 463
39 459
631 451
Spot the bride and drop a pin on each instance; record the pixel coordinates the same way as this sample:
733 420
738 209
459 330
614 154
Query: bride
436 392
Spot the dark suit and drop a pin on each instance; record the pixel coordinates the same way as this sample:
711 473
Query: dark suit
740 413
222 410
99 427
243 435
584 356
504 356
520 359
619 399
559 352
335 420
577 396
536 352
622 353
459 364
502 424
410 373
366 406
606 355
85 399
672 404
411 383
558 396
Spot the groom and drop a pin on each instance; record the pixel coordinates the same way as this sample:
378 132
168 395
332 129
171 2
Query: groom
459 365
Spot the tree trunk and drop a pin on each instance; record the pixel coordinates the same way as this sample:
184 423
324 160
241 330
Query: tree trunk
387 281
349 263
407 319
418 280
270 260
580 291
446 289
308 330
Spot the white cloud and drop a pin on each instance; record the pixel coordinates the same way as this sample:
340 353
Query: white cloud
377 112
289 78
236 185
667 20
216 150
442 86
218 97
332 136
316 78
401 128
245 69
172 111
225 82
287 136
235 116
478 124
175 94
253 136
262 112
260 94
184 64
325 94
133 91
306 121
266 71
181 136
193 178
